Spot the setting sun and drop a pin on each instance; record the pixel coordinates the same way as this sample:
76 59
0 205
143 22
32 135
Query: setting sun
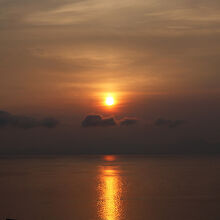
109 101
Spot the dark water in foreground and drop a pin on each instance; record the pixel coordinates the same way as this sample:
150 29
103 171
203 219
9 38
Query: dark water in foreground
96 188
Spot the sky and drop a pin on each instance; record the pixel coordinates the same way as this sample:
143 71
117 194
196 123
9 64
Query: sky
158 59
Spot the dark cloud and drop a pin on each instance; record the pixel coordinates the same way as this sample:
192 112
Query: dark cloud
49 122
128 121
169 123
98 121
25 122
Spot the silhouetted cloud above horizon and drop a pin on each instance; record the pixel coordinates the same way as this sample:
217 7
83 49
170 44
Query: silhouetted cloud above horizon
98 121
128 121
169 123
25 122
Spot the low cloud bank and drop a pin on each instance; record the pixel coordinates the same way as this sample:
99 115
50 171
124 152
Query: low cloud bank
128 121
168 123
98 121
7 119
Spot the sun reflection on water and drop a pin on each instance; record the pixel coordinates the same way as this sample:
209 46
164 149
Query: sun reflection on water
110 190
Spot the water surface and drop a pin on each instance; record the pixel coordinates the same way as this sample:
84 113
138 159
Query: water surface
110 188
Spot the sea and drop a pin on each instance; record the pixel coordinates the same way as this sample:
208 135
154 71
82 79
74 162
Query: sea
110 187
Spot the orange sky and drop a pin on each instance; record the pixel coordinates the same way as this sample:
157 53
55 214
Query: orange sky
61 58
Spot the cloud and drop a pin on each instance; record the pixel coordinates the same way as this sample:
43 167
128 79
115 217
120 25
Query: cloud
49 122
168 123
98 121
128 121
25 122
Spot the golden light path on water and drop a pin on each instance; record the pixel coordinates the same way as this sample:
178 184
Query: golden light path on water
110 192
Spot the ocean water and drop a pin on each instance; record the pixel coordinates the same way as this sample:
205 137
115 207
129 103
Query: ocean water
110 188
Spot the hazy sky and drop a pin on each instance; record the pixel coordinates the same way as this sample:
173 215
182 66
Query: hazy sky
58 59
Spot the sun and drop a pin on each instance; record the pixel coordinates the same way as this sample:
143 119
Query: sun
109 100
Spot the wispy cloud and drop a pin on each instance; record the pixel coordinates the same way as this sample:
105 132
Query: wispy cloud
151 17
